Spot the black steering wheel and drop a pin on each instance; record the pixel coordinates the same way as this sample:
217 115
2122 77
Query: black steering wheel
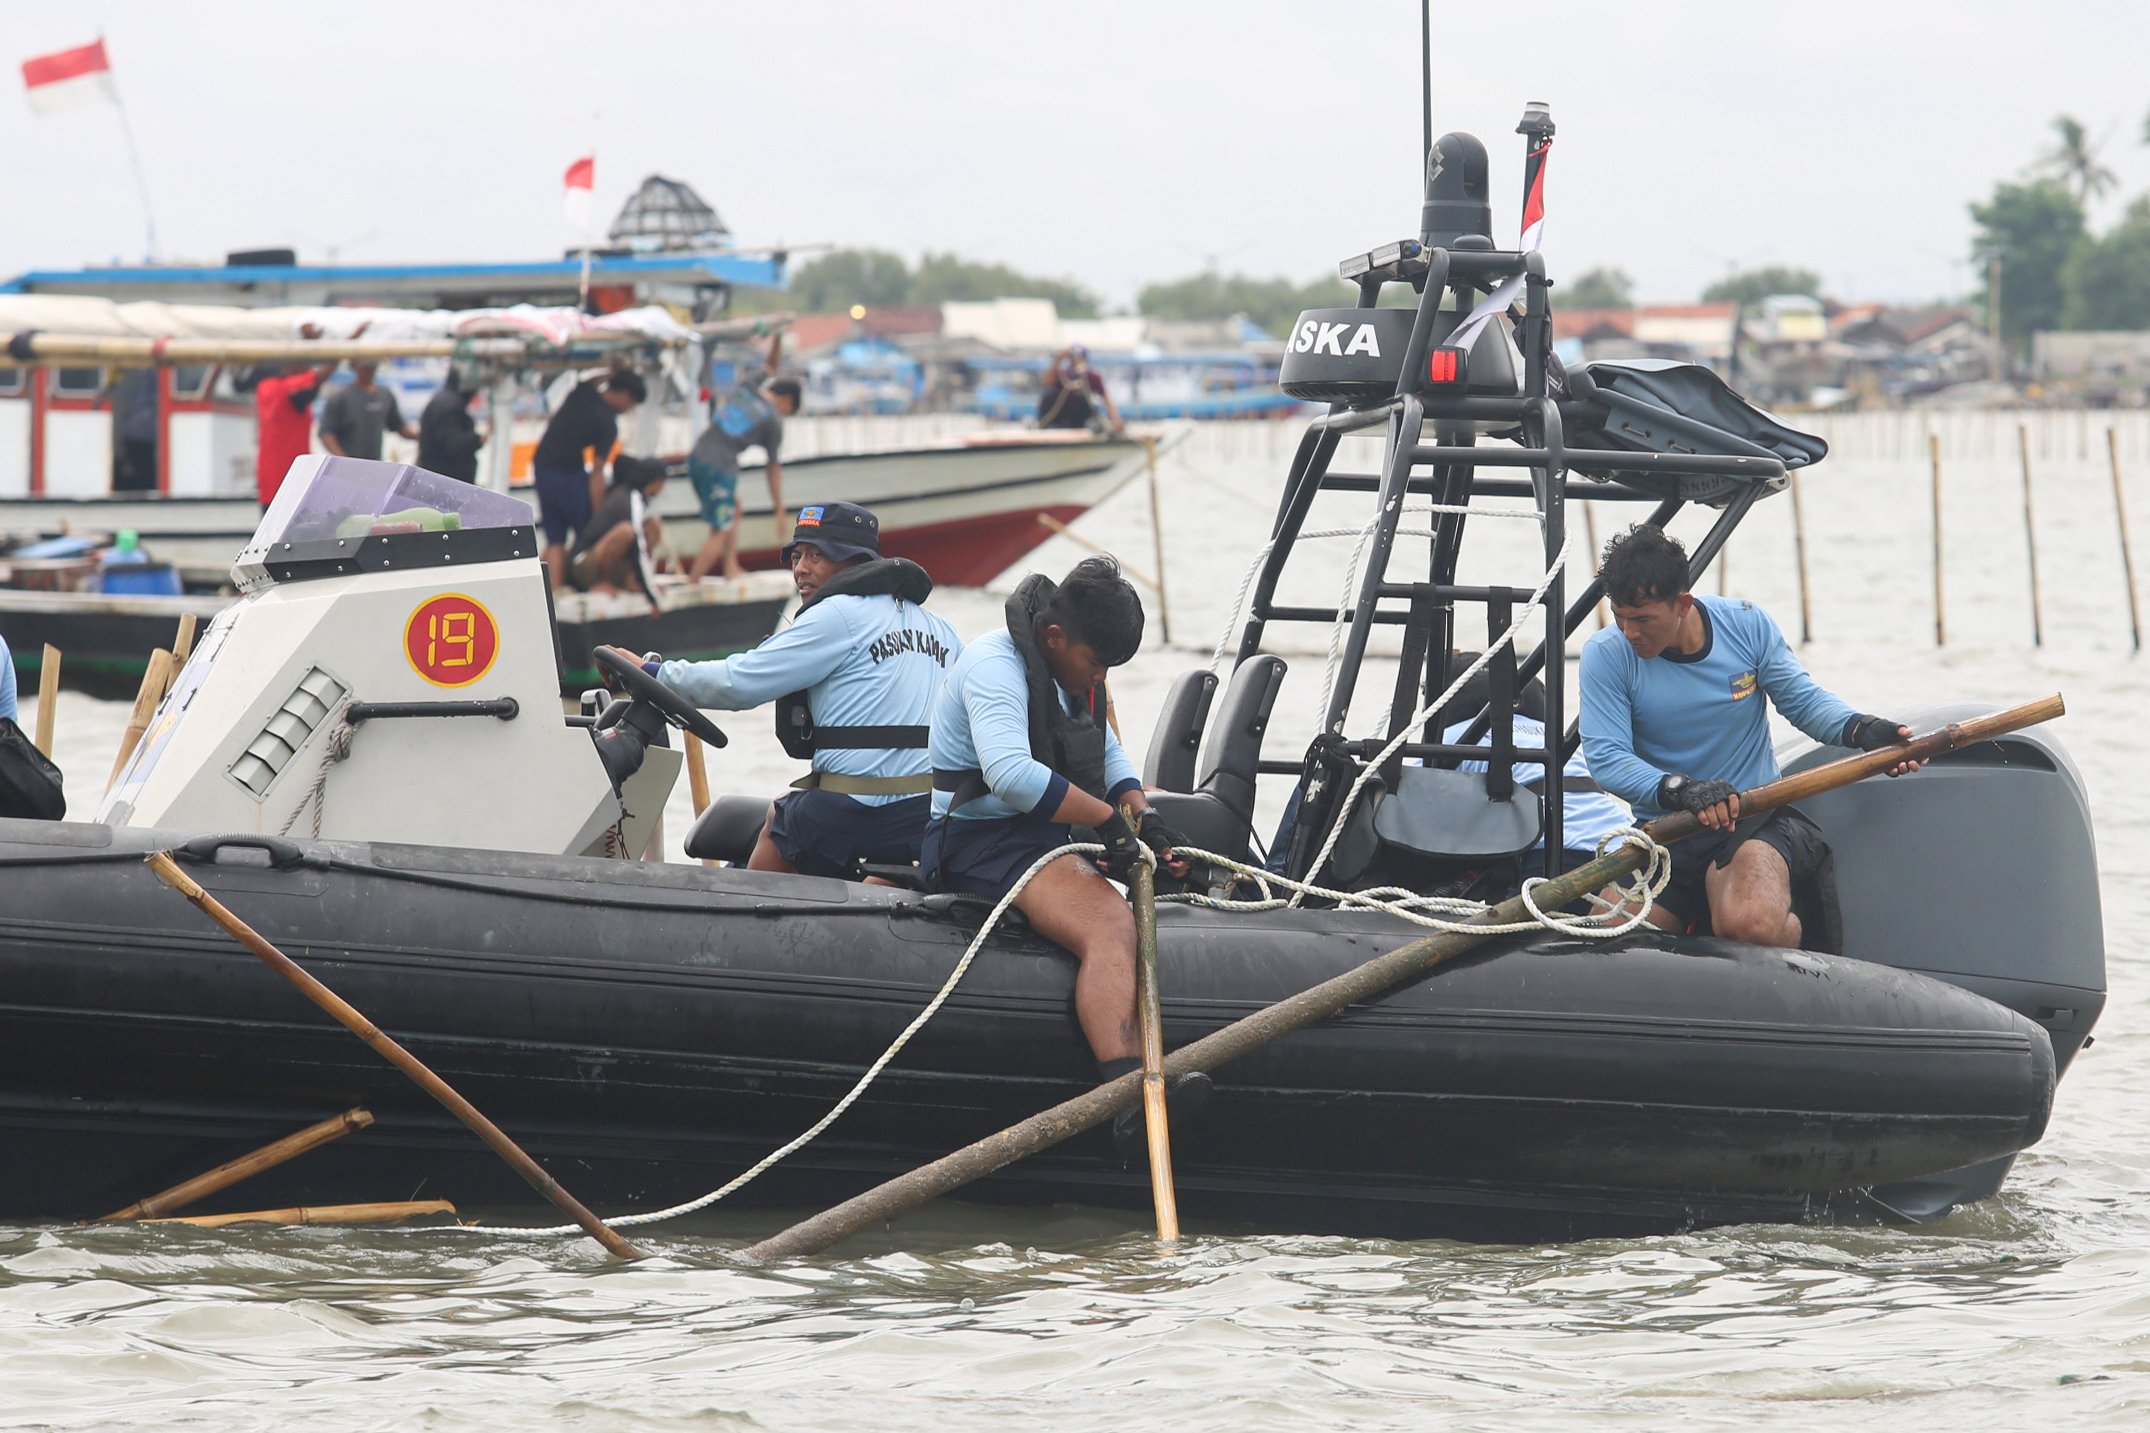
643 687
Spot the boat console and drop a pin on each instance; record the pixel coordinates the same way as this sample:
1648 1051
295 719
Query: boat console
389 674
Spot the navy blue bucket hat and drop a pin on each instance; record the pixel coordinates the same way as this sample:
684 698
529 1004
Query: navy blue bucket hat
841 531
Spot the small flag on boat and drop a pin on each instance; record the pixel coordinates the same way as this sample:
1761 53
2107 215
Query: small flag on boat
581 179
69 79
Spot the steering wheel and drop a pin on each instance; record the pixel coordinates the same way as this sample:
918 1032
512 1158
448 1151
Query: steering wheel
643 687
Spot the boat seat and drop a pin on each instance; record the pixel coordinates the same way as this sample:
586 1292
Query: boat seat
1218 815
1169 764
727 829
1448 813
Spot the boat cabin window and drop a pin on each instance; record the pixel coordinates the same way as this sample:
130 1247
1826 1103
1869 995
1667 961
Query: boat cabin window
13 381
342 498
190 381
77 382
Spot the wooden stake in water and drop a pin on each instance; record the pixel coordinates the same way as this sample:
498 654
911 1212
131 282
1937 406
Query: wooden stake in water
1157 539
1933 453
155 679
2127 560
2030 535
48 696
1142 889
1799 555
246 1166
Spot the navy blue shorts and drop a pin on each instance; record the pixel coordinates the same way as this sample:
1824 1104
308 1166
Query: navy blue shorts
825 833
1784 830
563 502
985 858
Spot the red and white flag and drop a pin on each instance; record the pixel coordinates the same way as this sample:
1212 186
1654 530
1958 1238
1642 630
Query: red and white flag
581 179
69 79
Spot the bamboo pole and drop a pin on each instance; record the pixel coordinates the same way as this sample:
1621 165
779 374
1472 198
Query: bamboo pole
1142 891
698 779
1799 556
1157 539
1046 519
155 678
1590 535
1933 452
182 646
48 696
2030 535
168 871
246 1166
1250 1033
319 1214
2127 560
89 349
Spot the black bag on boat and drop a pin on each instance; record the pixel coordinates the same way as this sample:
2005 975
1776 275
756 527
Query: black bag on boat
29 783
1654 405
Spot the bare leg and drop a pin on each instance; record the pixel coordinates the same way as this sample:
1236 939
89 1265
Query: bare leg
1751 898
707 556
612 556
766 857
729 538
1071 905
556 564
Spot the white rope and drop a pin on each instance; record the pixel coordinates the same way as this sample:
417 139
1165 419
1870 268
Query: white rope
1638 895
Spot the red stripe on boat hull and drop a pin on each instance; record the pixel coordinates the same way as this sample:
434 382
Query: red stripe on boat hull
969 552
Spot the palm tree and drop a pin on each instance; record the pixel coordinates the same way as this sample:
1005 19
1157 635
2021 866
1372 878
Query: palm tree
2075 161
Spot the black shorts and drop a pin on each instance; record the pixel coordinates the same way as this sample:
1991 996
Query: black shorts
825 833
985 858
1783 830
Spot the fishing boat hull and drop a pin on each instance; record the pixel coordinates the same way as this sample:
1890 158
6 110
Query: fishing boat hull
649 1031
963 512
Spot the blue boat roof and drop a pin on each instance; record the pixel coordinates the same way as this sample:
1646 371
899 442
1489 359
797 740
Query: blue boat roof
762 271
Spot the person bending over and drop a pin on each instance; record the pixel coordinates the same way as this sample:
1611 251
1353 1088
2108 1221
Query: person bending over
1022 752
1673 720
854 678
739 420
608 553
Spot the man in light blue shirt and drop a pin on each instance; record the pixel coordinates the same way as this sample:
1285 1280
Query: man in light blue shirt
855 676
1021 752
1673 719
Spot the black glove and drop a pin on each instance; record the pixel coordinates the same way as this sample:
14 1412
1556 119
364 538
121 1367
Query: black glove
1156 834
1679 793
1872 733
1122 850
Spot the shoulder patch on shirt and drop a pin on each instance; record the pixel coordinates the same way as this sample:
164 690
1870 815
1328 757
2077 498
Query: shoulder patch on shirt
1742 686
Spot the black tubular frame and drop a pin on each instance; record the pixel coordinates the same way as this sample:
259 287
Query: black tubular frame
1448 470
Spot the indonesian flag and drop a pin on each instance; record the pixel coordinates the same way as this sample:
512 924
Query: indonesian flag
69 79
581 178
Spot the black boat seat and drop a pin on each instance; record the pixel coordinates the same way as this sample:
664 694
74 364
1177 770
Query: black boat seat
727 829
1218 815
1169 763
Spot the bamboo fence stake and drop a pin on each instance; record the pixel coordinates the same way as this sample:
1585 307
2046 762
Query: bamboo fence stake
1250 1033
2127 560
1799 556
1933 453
698 779
1590 535
182 645
2030 535
246 1166
1142 888
1157 539
168 871
319 1214
155 678
48 696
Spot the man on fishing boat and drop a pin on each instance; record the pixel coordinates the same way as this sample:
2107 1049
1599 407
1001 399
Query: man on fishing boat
854 678
588 421
1073 393
1673 720
1021 752
739 420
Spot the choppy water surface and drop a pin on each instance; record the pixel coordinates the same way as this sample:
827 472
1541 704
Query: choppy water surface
2033 1307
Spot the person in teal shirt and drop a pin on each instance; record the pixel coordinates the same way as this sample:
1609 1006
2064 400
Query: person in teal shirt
1673 719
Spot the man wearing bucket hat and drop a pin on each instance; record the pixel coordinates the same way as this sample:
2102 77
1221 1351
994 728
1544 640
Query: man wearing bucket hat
854 678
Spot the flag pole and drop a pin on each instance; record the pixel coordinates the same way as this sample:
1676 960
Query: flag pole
134 160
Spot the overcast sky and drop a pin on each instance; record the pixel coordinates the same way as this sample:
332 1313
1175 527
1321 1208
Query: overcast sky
1114 143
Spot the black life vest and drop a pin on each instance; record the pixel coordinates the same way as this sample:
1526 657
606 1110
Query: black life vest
897 577
1071 744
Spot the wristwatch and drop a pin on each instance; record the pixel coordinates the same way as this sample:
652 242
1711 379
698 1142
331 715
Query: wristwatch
1668 791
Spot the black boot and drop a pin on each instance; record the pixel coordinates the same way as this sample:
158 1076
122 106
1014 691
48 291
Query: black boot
1185 1095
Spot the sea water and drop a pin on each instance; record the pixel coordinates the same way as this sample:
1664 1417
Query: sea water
2032 1309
